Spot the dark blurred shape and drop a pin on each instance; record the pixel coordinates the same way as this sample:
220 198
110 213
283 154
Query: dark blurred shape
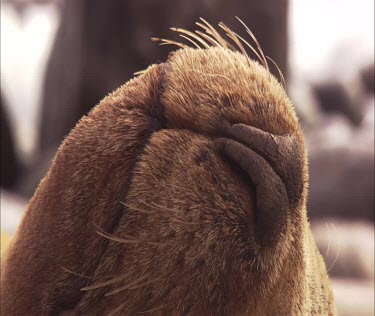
100 44
341 184
10 165
333 97
367 76
36 171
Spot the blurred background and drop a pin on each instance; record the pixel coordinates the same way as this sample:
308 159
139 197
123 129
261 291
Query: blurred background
59 58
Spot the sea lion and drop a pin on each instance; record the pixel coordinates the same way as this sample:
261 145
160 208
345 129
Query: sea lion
182 193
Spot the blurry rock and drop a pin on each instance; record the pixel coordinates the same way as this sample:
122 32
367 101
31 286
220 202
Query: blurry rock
36 172
332 70
341 167
347 247
333 97
367 76
305 101
100 44
10 165
341 184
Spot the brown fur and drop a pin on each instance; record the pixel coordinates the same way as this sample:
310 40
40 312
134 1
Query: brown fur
142 212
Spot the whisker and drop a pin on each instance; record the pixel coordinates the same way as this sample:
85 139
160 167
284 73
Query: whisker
131 284
191 34
337 253
255 41
139 72
213 38
214 33
251 47
222 44
329 241
77 274
280 73
129 240
100 230
168 42
104 283
118 239
143 284
234 37
190 40
209 39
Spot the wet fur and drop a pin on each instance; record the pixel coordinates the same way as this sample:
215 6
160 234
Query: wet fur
142 213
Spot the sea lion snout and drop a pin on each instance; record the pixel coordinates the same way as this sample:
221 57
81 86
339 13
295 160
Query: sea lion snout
272 163
188 220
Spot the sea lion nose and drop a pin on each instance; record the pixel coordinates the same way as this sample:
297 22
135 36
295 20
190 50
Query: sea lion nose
282 152
272 163
271 196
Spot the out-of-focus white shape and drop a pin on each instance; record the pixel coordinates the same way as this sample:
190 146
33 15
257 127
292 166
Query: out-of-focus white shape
25 46
328 40
353 297
12 208
330 36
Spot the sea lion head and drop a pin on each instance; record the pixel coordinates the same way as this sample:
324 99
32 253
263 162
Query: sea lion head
185 191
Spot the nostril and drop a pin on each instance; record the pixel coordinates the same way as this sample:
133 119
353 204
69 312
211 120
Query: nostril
284 153
271 199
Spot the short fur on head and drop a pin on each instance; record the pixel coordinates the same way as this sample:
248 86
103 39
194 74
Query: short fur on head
182 193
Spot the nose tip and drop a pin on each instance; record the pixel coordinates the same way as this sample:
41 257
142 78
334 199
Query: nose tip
271 207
